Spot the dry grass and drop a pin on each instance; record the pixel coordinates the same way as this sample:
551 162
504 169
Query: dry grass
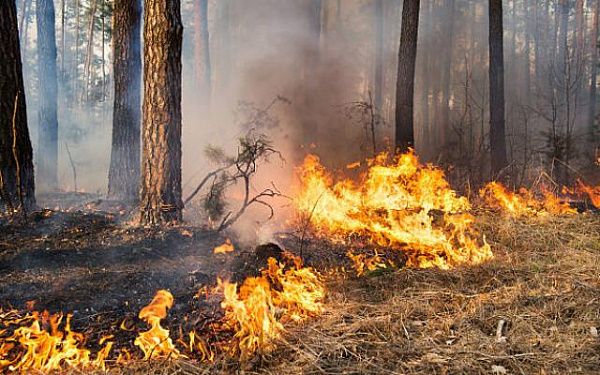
544 283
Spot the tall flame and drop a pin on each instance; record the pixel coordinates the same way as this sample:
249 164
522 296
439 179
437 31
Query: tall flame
401 204
156 343
593 192
258 310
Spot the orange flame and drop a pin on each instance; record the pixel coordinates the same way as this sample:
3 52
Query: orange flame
156 343
258 310
226 247
363 263
593 192
401 204
39 344
523 202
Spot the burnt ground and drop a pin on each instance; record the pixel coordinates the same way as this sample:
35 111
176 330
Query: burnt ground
544 283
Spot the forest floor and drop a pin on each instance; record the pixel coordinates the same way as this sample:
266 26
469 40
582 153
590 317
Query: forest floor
542 289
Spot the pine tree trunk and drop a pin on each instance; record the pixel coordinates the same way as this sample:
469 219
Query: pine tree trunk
378 84
124 172
16 157
407 54
497 126
202 49
47 154
161 156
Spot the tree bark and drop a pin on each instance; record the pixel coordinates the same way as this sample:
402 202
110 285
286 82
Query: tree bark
16 156
202 49
160 200
124 172
496 75
47 155
407 54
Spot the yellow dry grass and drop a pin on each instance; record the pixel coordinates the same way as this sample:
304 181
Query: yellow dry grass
544 284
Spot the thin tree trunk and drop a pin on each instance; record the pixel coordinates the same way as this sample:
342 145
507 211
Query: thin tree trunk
202 49
47 155
75 77
16 156
23 14
89 51
378 81
428 145
447 70
594 73
407 54
62 40
160 200
103 56
496 72
124 172
527 50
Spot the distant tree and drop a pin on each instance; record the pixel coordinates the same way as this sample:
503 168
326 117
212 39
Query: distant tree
160 200
47 155
202 48
124 172
499 159
594 72
405 83
16 156
378 25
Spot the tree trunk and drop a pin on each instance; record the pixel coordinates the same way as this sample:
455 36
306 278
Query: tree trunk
446 74
202 50
594 73
87 69
62 41
16 156
124 172
378 84
75 77
161 156
47 154
496 72
527 51
407 54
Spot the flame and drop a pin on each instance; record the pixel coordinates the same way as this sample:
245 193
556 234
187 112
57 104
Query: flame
156 343
400 204
39 344
226 247
363 263
593 192
523 202
263 304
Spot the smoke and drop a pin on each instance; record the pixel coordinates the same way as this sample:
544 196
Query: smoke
322 60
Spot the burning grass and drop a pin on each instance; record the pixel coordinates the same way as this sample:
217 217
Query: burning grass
542 289
533 308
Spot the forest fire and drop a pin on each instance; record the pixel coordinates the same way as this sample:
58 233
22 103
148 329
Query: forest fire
399 204
593 192
255 314
156 343
45 343
224 248
263 304
524 202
